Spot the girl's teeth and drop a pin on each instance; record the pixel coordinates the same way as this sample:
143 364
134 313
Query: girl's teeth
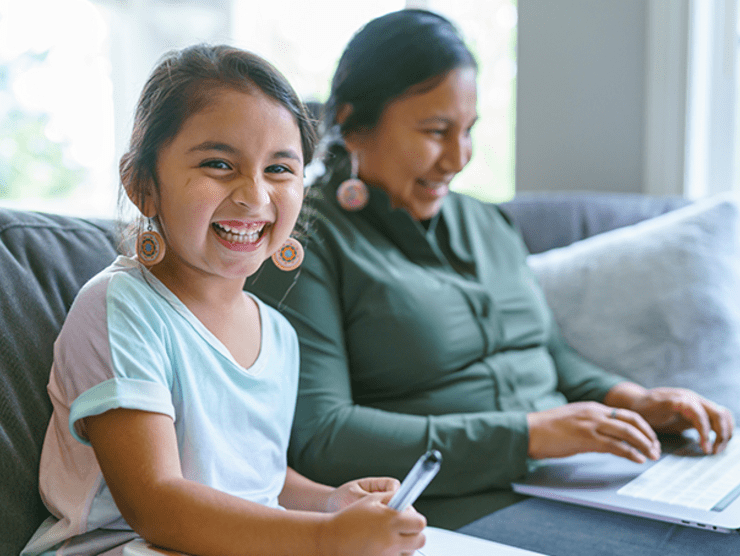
225 232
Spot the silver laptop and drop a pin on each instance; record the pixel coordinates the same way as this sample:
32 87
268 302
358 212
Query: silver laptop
684 486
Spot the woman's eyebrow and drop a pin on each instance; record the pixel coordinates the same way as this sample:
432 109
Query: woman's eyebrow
442 120
435 120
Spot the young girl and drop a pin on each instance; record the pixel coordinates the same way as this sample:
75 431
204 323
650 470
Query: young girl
173 390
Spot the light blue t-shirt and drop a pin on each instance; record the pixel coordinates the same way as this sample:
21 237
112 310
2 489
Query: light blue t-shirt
128 342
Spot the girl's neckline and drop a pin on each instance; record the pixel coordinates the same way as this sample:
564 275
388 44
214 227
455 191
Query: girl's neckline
179 307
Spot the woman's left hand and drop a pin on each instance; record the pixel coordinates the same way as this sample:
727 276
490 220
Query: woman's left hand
352 491
673 410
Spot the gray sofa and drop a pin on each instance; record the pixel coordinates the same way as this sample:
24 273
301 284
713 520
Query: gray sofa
45 259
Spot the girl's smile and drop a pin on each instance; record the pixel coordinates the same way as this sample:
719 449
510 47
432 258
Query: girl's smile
239 236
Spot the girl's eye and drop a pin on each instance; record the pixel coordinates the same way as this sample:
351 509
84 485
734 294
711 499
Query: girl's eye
437 132
278 169
217 164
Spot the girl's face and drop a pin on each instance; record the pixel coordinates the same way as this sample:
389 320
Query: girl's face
230 187
420 143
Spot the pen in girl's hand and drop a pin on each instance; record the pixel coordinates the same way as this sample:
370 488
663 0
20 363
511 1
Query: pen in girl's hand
417 480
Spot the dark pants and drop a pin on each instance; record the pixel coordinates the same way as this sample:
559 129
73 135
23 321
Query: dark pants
559 529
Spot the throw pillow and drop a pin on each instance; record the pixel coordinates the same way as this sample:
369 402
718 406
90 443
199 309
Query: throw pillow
657 302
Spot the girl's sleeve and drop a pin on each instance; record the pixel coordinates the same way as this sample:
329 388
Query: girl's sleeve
111 353
335 440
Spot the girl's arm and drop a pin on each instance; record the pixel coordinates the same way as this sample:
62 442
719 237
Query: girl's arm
138 455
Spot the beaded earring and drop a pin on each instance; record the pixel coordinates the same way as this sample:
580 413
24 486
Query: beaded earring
289 256
149 246
352 193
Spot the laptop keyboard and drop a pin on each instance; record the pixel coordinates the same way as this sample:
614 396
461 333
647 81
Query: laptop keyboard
688 478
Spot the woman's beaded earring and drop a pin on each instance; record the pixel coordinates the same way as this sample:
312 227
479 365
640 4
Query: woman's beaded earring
149 246
289 256
352 193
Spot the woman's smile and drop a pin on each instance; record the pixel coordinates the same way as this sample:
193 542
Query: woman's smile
434 190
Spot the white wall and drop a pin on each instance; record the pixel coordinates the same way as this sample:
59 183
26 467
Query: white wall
580 95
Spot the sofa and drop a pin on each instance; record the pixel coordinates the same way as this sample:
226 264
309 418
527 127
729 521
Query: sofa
46 258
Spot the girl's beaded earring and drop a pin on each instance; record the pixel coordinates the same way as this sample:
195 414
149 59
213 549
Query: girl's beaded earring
289 256
149 246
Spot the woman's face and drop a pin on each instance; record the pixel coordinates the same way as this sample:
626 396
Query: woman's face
420 143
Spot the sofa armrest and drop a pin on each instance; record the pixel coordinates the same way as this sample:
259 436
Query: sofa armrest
44 260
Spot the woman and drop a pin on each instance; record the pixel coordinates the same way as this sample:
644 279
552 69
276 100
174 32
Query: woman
420 324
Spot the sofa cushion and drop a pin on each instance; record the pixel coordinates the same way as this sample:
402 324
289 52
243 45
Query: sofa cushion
550 220
657 302
44 260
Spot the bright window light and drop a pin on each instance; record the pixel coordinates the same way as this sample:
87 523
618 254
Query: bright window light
56 106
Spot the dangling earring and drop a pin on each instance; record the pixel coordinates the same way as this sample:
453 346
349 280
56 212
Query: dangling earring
289 256
149 246
352 193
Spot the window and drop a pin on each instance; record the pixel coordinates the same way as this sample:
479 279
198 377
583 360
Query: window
56 109
489 28
691 145
71 72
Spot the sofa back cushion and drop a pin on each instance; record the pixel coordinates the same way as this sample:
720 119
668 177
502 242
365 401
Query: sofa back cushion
657 302
550 220
44 260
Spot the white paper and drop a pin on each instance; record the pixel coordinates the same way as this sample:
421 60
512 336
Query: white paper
441 542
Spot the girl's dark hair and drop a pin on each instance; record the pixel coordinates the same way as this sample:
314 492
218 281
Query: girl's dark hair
182 85
389 56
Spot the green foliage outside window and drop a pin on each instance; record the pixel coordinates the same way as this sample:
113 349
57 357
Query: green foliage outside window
31 164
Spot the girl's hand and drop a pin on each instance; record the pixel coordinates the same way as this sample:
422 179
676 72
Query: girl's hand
369 527
674 410
591 427
351 492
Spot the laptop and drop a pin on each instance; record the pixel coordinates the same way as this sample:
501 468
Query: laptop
440 542
684 486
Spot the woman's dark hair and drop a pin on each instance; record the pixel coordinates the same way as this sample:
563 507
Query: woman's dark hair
182 85
389 56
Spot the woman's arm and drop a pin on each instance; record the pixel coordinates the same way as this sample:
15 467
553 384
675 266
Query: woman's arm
586 424
138 455
630 431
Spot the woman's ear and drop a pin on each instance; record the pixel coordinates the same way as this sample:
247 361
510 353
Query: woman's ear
351 140
343 112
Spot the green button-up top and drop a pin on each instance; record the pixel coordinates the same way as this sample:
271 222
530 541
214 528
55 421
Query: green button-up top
416 336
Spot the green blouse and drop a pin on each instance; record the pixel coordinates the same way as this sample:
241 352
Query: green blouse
417 336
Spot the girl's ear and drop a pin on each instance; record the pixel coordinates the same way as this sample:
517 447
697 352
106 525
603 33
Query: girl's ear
145 202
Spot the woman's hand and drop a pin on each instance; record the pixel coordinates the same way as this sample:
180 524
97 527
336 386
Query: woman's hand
370 527
591 427
674 410
351 492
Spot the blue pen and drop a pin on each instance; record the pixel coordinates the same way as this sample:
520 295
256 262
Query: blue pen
417 480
